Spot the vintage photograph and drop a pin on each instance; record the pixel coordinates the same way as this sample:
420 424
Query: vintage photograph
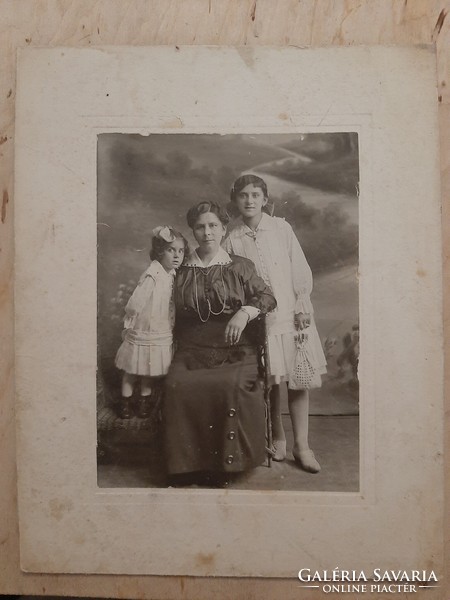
228 325
228 312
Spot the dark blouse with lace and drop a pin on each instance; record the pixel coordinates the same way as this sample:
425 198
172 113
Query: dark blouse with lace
207 297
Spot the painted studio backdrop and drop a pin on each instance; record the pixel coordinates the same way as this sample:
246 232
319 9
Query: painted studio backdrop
313 182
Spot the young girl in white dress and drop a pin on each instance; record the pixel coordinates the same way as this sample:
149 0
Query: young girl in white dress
146 350
273 247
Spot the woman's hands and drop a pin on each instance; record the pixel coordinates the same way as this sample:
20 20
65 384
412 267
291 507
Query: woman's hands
302 321
235 327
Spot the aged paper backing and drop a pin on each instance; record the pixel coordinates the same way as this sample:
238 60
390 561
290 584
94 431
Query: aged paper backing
65 98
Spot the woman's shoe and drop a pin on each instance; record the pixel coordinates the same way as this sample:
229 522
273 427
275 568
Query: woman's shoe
124 409
306 460
279 450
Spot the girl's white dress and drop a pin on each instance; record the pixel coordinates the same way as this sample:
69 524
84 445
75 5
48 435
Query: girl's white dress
274 249
147 345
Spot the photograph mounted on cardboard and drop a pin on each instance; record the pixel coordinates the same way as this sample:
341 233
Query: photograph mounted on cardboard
305 189
196 229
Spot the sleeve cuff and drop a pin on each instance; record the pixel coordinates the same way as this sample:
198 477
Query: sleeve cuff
252 311
303 305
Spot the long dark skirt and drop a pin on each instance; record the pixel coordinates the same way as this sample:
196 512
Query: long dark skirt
214 417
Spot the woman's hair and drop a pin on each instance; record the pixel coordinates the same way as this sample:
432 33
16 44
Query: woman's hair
194 213
162 239
245 180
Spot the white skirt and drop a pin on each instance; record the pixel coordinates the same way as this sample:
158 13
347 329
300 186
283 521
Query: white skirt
142 353
282 351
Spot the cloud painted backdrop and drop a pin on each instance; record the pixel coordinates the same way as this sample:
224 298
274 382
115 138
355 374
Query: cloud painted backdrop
145 181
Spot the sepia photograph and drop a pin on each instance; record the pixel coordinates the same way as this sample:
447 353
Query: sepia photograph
228 332
228 321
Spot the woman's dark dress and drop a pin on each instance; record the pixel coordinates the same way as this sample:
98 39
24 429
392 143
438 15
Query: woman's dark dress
213 404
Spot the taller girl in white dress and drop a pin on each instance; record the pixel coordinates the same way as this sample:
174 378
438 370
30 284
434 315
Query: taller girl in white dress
274 249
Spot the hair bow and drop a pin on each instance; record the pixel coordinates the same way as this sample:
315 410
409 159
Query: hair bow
164 232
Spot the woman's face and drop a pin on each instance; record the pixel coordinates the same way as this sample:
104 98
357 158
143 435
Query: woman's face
250 201
209 231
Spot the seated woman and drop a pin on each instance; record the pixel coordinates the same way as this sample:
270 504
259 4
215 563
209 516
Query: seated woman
213 408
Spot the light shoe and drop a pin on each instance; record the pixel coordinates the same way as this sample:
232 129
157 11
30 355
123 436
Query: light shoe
306 460
279 450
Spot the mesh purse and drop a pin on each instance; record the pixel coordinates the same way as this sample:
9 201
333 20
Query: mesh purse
303 375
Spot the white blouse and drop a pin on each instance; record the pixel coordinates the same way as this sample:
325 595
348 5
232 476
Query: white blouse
150 307
279 259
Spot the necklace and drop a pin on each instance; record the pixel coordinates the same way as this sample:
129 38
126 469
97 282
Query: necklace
208 303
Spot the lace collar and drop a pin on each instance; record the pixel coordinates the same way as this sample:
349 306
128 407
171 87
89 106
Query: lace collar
266 224
221 258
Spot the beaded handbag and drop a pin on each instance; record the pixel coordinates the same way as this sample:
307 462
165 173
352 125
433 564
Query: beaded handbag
304 375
